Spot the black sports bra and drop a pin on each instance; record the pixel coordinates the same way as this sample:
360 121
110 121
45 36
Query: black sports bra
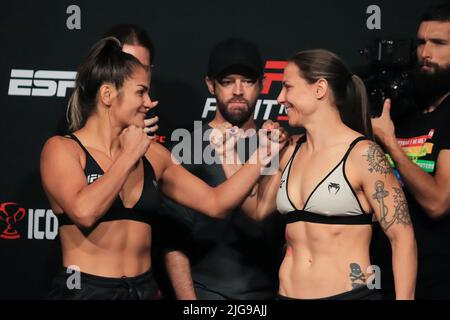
142 211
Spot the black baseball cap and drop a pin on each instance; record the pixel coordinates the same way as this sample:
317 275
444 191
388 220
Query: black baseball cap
235 55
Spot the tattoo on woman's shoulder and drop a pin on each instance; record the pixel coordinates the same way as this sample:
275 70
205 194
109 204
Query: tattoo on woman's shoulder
378 162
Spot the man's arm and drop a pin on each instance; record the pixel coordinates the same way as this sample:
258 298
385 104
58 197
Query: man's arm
432 193
179 270
175 234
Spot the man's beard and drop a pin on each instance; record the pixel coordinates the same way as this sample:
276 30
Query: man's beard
236 118
429 87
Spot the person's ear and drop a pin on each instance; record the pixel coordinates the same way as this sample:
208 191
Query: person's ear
210 84
107 93
321 88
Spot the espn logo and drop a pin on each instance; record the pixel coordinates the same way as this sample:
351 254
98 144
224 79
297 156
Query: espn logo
40 83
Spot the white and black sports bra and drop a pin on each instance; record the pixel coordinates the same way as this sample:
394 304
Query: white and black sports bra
333 200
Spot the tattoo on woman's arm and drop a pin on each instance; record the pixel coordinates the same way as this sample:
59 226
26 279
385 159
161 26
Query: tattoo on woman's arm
401 213
377 160
379 195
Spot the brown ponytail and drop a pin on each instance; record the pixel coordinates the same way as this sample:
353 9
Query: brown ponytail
105 63
362 105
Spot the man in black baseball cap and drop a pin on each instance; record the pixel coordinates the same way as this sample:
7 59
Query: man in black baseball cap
235 77
237 54
234 257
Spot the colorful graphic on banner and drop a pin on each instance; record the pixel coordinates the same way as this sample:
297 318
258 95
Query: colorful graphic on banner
416 148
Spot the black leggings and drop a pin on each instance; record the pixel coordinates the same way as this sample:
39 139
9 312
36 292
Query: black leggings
361 293
92 287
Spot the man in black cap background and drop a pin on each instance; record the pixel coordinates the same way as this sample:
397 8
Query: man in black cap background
235 257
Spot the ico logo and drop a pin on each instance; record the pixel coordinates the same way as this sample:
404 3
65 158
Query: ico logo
42 223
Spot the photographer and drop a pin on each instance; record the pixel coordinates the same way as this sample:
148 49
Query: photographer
419 145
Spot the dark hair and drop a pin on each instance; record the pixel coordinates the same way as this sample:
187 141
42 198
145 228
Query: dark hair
440 12
105 63
348 90
132 34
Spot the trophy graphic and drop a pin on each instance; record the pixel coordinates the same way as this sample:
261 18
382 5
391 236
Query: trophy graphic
11 213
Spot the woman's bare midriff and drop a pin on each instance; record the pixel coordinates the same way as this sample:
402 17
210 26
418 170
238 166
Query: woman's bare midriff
320 259
113 249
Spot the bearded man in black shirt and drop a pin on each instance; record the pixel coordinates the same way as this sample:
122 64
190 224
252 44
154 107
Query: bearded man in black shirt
419 146
235 257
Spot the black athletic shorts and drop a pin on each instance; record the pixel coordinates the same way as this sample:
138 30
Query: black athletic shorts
92 287
361 293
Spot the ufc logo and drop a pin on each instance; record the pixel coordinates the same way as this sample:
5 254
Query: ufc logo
92 177
42 83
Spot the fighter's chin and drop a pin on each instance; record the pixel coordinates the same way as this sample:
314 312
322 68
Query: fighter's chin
138 123
237 112
293 121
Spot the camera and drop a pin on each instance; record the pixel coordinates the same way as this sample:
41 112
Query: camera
390 75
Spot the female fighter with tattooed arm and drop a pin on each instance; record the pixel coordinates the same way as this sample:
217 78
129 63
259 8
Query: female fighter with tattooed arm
329 184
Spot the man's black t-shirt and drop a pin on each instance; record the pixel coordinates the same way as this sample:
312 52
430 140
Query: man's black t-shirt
231 258
422 136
